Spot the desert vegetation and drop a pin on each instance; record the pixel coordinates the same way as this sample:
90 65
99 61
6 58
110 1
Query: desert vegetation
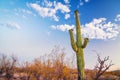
56 66
53 66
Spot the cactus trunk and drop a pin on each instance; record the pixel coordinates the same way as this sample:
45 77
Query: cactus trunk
78 47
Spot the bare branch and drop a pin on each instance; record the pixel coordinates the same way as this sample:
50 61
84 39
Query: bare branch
102 67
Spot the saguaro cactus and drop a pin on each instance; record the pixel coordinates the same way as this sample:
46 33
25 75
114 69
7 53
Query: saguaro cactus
78 46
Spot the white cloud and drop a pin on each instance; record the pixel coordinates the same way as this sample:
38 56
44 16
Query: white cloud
82 2
64 27
23 12
50 9
86 0
67 16
117 17
47 3
45 12
100 29
96 29
66 1
63 8
11 25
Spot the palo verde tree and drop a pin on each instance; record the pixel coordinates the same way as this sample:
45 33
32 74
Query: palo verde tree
78 46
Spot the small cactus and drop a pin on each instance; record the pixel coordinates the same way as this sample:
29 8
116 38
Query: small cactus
78 46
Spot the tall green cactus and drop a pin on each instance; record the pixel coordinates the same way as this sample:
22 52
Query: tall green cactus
78 46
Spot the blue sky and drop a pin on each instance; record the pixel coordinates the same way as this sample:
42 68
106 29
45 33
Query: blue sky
30 28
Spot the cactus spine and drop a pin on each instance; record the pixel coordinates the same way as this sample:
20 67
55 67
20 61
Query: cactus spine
78 46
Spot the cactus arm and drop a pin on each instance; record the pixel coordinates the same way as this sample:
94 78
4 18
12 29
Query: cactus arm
78 30
86 40
72 40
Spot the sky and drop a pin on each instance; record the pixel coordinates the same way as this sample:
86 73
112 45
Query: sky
30 28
